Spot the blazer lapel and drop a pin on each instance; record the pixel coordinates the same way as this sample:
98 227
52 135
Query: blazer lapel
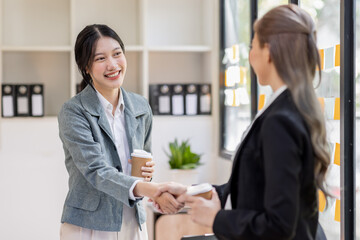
130 119
91 103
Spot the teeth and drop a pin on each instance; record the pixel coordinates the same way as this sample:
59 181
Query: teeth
113 75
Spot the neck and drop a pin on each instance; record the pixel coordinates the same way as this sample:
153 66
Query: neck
276 80
112 96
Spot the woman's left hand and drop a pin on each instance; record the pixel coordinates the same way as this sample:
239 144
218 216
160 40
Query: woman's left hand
147 171
202 211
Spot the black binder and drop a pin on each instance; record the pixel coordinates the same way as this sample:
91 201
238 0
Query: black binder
177 99
205 99
37 100
164 99
8 100
22 100
191 99
154 93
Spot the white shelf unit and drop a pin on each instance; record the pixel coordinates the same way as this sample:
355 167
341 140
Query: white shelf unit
166 41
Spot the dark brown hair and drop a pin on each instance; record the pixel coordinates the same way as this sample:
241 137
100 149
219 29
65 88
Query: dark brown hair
85 47
290 34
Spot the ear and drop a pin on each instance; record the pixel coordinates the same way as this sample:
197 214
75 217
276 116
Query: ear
267 52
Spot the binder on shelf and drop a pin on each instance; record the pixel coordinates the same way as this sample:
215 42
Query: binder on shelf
8 100
177 99
205 99
154 93
37 100
164 99
191 99
22 100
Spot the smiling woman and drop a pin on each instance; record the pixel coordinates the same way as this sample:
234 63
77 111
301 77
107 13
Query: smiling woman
99 128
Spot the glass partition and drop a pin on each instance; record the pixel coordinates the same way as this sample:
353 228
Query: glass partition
326 14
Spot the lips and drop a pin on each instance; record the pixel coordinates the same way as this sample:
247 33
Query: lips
113 75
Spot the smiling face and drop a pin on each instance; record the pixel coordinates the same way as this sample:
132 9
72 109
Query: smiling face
109 66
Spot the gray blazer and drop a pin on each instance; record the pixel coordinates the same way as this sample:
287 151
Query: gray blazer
97 186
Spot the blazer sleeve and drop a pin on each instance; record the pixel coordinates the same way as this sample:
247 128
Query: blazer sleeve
281 146
76 135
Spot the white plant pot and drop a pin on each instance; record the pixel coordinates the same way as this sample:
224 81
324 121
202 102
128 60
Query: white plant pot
186 177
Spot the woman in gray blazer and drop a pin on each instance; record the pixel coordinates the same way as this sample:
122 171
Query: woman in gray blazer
99 128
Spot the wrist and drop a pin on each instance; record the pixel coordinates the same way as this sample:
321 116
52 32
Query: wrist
147 189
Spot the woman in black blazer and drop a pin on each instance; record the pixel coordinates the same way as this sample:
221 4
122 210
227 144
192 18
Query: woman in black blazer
283 157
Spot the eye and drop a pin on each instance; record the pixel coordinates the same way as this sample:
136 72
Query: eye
250 46
118 53
99 59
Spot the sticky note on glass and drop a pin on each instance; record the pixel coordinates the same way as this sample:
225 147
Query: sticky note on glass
321 53
229 97
337 154
329 104
337 109
232 76
242 75
337 210
329 57
322 103
337 55
322 201
261 101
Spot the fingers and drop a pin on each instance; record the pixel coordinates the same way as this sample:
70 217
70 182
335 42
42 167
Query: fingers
150 164
147 179
168 203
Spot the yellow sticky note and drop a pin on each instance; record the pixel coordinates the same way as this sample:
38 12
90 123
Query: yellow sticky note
322 103
337 55
322 201
242 75
234 51
337 109
321 53
261 101
337 210
337 154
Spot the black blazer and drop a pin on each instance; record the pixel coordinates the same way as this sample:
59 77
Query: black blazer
272 186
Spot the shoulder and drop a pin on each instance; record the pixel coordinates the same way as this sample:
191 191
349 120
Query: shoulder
284 116
137 103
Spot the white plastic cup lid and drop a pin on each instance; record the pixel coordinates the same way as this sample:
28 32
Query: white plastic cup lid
197 189
141 153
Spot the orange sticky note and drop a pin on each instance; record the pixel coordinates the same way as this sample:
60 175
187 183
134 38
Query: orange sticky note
337 55
322 103
337 109
322 201
337 210
337 154
321 53
261 101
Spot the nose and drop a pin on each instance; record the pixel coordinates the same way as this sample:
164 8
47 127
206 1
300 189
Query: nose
111 64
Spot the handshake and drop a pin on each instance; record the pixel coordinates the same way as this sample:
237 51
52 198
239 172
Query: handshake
171 197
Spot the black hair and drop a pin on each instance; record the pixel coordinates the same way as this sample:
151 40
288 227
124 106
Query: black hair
85 46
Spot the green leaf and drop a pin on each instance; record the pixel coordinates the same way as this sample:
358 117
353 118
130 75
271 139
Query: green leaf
181 156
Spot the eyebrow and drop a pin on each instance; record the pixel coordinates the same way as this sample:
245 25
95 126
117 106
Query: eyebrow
96 54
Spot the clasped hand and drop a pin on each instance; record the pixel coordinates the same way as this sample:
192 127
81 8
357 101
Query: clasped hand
171 197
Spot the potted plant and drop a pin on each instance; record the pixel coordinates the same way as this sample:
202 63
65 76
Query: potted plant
183 162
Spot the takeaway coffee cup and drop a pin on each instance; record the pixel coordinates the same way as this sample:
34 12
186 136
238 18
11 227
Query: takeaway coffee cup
139 158
202 190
